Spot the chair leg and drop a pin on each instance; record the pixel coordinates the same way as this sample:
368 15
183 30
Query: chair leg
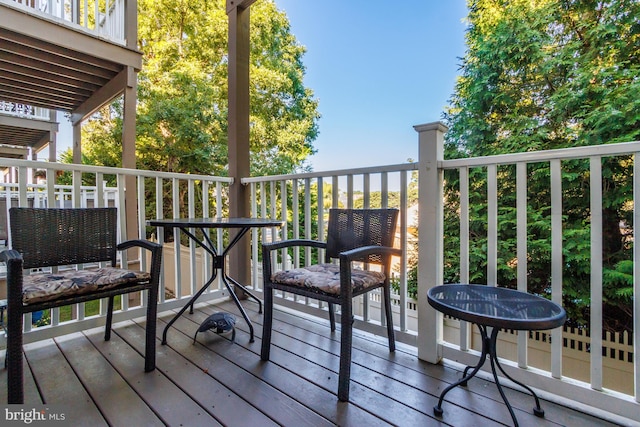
15 379
267 323
332 317
107 326
346 323
389 314
15 369
150 330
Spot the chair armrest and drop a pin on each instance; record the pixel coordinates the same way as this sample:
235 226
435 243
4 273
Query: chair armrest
291 243
141 243
14 262
156 255
267 248
359 253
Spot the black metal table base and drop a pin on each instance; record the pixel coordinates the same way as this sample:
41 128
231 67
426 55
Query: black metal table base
217 264
489 348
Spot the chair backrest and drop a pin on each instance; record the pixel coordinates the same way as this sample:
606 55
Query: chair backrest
49 237
354 228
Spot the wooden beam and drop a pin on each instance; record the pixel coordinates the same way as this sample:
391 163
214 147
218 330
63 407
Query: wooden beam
129 156
25 123
40 78
32 95
43 142
238 115
131 24
238 120
59 54
241 4
53 137
126 78
13 152
77 142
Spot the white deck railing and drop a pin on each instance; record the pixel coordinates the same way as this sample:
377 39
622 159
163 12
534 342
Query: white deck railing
296 198
157 195
556 381
104 18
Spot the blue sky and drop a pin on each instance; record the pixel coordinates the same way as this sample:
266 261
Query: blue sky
377 68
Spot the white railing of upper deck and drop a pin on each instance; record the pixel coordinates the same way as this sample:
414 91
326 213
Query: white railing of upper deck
24 111
103 18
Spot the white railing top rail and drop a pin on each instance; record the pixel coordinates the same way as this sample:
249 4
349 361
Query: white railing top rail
5 162
615 149
501 159
342 172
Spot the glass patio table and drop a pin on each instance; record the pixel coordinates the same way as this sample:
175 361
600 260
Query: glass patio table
495 308
243 225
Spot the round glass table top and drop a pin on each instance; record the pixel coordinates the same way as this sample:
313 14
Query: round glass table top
496 307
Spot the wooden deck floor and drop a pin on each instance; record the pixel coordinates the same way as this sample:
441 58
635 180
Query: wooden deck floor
216 382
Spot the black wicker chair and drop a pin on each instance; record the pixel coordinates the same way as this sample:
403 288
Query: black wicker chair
59 237
354 235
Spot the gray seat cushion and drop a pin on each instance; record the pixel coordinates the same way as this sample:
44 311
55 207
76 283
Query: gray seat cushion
49 286
326 278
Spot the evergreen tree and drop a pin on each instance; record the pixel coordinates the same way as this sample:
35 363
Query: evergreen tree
539 75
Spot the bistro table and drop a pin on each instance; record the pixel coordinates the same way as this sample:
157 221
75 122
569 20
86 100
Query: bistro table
243 225
494 307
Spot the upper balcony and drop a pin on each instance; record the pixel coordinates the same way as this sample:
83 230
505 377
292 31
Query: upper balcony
69 56
25 127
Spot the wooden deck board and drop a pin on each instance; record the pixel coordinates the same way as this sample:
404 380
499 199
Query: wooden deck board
198 381
117 401
30 388
45 357
259 393
167 400
372 382
365 349
216 382
289 380
320 364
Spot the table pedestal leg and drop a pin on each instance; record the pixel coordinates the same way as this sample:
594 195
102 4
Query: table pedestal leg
538 411
437 410
246 291
187 305
489 347
238 304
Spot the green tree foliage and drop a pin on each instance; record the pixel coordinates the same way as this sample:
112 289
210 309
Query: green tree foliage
182 94
539 75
